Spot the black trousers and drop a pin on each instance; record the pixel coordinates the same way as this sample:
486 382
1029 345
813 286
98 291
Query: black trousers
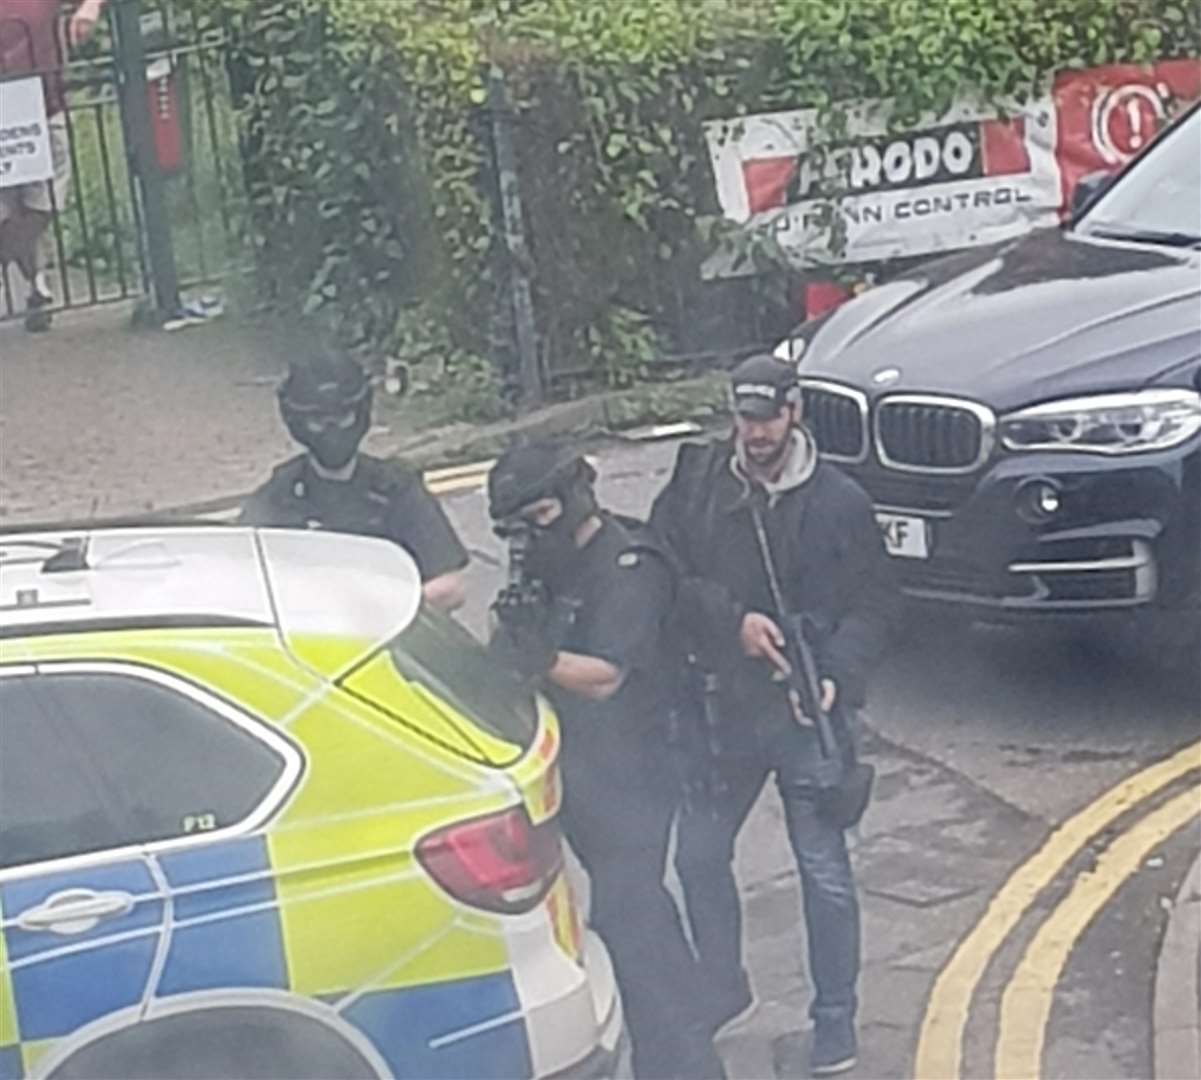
620 832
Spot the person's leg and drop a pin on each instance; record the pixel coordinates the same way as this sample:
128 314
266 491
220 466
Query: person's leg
621 839
831 910
9 207
31 228
637 916
22 244
21 232
704 861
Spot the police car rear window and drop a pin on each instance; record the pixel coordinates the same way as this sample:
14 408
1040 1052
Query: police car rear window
438 653
92 760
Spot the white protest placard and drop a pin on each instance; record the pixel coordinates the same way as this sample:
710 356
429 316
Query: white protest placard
25 156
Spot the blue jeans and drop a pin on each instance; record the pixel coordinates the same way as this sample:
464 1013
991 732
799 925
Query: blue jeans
704 863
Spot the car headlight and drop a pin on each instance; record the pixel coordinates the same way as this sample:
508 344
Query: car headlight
790 350
1124 423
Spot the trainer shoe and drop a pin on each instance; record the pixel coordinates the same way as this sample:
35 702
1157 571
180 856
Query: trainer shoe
184 316
37 313
834 1049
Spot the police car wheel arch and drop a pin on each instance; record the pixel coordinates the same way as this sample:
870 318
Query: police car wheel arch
287 1006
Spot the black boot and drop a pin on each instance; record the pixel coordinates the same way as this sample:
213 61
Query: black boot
37 313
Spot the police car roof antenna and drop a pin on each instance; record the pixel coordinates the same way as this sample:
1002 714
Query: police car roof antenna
70 558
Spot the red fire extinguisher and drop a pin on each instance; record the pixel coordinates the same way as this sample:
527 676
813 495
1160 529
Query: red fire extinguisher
162 86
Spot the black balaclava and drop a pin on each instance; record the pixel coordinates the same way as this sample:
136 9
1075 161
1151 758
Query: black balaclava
553 547
326 405
528 473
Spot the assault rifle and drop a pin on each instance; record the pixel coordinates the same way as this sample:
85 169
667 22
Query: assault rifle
694 737
521 589
534 624
844 785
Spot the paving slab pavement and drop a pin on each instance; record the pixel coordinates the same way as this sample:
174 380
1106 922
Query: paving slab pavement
1177 1015
100 420
928 855
97 419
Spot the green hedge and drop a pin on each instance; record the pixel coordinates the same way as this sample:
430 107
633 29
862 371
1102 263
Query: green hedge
376 201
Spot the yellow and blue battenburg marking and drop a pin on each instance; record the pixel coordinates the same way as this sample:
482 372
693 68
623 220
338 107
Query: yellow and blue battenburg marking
60 983
225 932
320 904
326 904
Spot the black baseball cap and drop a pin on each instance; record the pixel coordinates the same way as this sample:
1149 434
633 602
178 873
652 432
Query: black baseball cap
760 386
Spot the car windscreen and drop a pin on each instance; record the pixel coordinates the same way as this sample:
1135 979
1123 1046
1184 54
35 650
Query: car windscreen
1159 199
435 652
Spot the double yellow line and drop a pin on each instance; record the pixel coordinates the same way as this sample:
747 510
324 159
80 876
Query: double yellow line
1026 1004
458 477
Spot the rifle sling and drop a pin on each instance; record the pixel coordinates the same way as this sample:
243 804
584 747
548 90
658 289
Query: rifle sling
825 730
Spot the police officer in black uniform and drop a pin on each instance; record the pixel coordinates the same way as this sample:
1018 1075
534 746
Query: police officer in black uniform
596 650
830 563
326 405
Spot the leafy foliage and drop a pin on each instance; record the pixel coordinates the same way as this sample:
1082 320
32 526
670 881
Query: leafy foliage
375 187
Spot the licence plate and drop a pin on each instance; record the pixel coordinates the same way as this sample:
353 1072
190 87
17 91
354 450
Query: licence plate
905 537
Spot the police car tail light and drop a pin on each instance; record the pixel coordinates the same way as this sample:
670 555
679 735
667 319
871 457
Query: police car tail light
501 862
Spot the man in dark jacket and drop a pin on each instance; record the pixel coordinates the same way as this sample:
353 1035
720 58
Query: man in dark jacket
325 403
833 567
602 596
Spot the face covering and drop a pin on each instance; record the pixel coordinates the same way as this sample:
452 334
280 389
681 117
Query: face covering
334 449
553 547
334 443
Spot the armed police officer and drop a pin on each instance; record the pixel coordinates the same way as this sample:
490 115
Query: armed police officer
325 402
584 615
730 507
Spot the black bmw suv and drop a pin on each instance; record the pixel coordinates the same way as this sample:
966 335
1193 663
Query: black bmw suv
1027 416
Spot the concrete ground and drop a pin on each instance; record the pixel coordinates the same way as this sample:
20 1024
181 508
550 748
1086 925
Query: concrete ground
985 741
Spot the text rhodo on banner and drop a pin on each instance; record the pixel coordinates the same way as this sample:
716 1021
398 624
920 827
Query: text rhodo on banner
25 156
967 178
972 176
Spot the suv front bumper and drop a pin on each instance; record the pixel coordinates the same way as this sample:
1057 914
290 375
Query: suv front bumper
1052 533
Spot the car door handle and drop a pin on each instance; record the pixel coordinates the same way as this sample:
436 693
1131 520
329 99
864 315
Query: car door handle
75 911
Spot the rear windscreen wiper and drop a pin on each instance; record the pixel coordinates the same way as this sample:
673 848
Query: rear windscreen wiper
1149 236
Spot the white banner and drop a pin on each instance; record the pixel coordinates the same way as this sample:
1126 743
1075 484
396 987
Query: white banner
965 178
25 156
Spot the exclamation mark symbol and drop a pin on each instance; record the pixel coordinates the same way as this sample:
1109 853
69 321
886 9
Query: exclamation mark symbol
1135 115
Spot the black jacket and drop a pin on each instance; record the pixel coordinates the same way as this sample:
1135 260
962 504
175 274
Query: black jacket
829 555
382 498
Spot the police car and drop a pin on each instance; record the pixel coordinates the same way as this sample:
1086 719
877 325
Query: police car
262 814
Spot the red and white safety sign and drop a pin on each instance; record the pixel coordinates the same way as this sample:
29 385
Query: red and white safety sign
969 177
1106 115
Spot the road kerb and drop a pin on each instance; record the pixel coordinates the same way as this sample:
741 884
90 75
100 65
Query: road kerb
1177 1015
940 1043
1026 1003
